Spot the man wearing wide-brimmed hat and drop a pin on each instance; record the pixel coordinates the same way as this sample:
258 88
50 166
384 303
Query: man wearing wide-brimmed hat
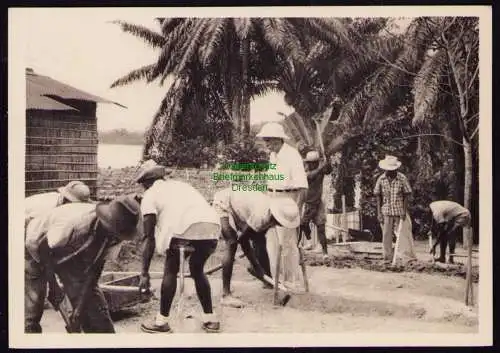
314 207
245 217
182 218
293 184
392 190
36 205
68 242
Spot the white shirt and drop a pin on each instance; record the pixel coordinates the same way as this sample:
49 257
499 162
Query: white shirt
62 225
36 205
181 211
288 163
444 211
249 207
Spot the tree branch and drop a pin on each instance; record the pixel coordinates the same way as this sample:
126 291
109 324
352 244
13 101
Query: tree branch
394 65
419 135
476 72
474 132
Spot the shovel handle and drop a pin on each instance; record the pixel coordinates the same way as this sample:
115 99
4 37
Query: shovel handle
277 275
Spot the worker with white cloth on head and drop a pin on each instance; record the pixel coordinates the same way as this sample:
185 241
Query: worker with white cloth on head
35 286
288 162
246 217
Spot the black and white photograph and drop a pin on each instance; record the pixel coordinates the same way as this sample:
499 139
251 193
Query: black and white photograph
149 139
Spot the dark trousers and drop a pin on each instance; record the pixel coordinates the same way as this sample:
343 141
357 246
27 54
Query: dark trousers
35 290
202 251
446 238
259 245
95 316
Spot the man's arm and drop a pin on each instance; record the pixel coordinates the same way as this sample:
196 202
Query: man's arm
378 195
327 168
313 173
148 242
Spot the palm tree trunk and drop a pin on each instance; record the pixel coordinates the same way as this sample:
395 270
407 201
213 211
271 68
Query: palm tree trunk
245 97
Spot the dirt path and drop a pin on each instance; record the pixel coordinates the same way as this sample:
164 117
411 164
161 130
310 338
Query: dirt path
340 300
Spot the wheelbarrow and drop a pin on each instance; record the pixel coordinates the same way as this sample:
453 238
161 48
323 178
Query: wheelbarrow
121 290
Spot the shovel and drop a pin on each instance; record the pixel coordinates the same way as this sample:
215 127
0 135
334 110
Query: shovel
268 280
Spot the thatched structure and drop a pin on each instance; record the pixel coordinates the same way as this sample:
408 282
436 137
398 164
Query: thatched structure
61 135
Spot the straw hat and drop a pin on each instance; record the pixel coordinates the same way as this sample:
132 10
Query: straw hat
312 156
75 191
120 216
150 170
286 212
272 130
389 163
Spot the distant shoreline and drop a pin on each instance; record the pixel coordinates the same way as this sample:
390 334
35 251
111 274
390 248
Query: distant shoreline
120 143
121 137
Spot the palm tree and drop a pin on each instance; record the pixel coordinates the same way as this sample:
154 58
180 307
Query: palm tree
234 56
437 69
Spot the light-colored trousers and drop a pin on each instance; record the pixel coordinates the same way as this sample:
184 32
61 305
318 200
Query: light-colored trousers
288 238
388 230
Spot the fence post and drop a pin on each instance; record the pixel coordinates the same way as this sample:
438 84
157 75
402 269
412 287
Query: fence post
344 219
469 293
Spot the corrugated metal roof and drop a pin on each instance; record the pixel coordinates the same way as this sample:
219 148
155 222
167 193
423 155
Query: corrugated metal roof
36 100
40 91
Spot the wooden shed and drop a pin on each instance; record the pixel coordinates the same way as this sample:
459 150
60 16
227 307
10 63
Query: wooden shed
61 135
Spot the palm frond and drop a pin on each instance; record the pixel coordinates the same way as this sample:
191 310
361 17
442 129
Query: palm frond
332 31
395 83
426 87
135 75
261 89
169 24
189 54
170 49
156 40
213 43
275 34
243 27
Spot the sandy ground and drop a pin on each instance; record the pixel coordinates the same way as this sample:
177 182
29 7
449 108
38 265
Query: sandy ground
340 300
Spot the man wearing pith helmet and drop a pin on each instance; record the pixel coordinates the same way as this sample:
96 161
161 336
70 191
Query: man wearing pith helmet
392 190
71 241
182 218
245 217
35 279
314 207
293 184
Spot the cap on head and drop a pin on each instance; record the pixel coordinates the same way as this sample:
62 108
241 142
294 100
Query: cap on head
273 130
312 156
285 211
120 216
150 170
389 163
75 191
